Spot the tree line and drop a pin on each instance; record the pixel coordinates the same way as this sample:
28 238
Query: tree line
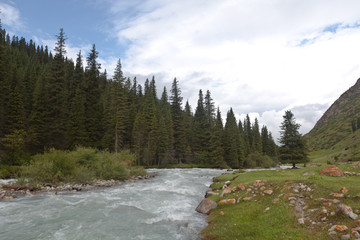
49 101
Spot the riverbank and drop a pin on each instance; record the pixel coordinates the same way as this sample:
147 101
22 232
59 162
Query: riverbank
13 190
285 204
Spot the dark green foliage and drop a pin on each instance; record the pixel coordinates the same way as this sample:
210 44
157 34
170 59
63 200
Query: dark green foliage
293 149
48 101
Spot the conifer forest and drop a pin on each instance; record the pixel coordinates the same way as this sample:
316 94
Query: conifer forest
49 101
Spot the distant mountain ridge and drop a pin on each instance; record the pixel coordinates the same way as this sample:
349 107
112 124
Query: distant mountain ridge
334 128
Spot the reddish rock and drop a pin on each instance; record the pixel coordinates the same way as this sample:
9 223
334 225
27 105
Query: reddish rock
285 188
338 195
358 223
344 189
355 234
247 198
227 201
241 187
287 195
332 171
268 191
327 204
259 183
221 213
340 228
225 191
346 210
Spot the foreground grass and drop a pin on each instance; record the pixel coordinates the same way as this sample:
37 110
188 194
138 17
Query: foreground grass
83 165
247 219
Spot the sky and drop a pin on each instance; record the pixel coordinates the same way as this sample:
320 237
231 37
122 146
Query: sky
260 57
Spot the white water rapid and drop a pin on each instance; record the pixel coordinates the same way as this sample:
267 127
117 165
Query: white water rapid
158 208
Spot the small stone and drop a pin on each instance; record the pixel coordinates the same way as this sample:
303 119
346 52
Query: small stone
247 198
324 211
341 228
332 214
239 199
324 219
221 213
338 195
344 189
301 221
353 215
241 187
335 201
266 209
345 237
268 191
358 223
332 233
275 200
355 234
327 204
227 183
225 191
287 195
227 201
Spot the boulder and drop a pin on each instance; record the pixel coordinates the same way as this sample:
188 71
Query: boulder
332 171
346 210
205 206
227 201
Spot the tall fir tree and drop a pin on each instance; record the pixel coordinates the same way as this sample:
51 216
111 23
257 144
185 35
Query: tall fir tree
293 148
231 140
178 123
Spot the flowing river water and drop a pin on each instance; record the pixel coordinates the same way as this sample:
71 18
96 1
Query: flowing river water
159 208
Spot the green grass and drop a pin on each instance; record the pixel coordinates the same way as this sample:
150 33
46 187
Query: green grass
247 219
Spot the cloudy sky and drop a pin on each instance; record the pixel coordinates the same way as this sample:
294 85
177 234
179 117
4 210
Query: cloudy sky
259 57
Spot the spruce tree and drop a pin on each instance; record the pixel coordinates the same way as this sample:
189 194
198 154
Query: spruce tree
55 96
93 108
178 122
216 143
231 137
292 149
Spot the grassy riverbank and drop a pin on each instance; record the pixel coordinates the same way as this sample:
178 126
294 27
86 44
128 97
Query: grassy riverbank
83 165
275 216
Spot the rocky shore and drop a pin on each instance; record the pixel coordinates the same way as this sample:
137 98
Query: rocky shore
12 191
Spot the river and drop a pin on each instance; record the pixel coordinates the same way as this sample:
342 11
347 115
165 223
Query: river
159 208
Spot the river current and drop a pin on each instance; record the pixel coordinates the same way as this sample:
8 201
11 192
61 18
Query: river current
159 208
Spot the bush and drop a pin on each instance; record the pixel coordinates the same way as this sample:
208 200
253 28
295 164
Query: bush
82 165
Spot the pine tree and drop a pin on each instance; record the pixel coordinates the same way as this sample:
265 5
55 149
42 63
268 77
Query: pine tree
93 108
292 149
121 110
216 143
231 137
55 96
257 145
202 131
178 122
76 126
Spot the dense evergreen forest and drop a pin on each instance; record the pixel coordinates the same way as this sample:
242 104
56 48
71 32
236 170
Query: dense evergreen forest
48 101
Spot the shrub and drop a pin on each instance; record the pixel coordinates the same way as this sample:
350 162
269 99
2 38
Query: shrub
258 160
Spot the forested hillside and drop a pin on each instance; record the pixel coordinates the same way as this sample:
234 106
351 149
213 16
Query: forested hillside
49 101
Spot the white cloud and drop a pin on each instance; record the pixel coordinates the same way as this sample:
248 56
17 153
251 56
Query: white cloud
10 16
248 53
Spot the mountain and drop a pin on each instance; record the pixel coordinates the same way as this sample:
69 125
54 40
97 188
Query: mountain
338 130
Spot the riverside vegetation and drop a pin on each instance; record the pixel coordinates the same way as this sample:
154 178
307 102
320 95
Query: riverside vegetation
285 204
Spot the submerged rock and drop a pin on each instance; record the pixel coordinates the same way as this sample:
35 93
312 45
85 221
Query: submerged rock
205 206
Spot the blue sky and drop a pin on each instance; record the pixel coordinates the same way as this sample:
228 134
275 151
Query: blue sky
260 57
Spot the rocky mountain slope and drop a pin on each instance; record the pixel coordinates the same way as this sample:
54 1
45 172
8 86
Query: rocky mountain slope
334 130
